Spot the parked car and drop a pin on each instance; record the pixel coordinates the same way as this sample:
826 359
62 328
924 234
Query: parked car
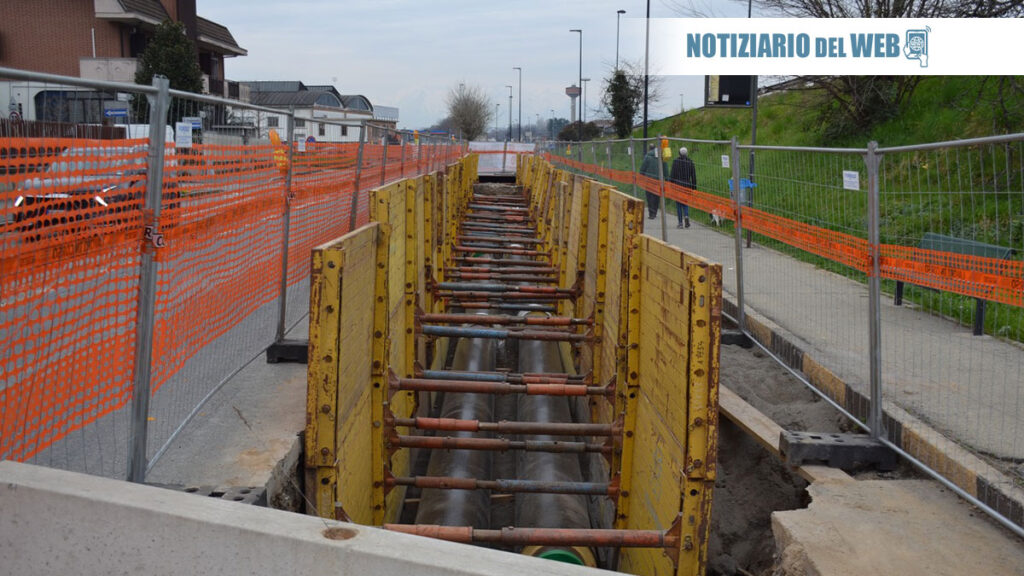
82 188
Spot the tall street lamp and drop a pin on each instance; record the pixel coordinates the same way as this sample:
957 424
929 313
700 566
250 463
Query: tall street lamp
618 17
584 82
551 125
647 50
497 106
579 126
520 101
509 86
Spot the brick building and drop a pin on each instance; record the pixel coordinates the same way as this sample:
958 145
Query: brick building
100 39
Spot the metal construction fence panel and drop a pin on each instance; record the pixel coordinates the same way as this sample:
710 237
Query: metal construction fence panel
890 279
149 256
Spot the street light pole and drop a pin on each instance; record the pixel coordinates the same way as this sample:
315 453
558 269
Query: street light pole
520 101
584 82
579 131
497 106
509 86
618 17
647 52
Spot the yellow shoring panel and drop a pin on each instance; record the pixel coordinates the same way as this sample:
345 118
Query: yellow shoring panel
629 362
702 419
338 399
380 211
322 379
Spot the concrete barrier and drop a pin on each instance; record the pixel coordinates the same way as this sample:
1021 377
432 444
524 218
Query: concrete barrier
57 522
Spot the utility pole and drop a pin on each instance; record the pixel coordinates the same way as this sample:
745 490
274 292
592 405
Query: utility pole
520 101
509 86
647 52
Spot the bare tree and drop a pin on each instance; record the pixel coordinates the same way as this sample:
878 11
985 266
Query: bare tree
469 111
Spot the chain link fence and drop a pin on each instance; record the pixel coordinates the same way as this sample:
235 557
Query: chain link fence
154 243
890 279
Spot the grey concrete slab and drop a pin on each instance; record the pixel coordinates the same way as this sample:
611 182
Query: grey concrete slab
57 522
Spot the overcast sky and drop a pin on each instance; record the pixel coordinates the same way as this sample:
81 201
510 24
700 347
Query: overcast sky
410 53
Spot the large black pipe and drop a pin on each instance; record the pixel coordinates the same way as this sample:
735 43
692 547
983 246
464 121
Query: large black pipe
462 507
549 510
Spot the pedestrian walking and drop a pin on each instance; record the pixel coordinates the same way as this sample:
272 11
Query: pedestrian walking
649 168
683 173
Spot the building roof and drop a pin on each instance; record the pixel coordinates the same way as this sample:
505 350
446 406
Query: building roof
356 102
385 113
284 93
151 10
210 35
219 36
303 99
276 86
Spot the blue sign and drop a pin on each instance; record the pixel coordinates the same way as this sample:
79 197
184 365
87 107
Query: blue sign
115 113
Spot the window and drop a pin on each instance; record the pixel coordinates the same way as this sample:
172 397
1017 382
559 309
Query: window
344 130
323 130
300 123
272 121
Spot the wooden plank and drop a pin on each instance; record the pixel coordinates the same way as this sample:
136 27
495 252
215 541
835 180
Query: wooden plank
766 432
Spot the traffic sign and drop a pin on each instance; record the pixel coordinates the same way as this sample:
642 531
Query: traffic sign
195 121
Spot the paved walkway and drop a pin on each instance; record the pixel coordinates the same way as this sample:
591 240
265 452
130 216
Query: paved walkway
970 388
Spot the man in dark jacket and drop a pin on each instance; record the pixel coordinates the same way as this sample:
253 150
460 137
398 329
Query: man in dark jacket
649 168
685 174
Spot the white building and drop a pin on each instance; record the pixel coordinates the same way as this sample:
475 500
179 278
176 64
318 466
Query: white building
320 111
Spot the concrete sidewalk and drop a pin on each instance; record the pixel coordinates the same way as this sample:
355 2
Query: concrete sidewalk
945 389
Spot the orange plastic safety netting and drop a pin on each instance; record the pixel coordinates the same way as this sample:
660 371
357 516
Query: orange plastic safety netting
71 233
996 280
72 242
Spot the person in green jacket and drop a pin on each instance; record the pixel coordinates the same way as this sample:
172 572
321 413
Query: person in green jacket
649 167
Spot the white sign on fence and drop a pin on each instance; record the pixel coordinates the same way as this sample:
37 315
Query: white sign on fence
725 160
182 134
851 180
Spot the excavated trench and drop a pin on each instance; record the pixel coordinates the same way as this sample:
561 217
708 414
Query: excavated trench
539 469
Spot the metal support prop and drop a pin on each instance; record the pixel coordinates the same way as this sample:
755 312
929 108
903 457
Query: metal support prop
875 420
497 445
401 167
498 334
517 536
632 160
506 427
146 307
497 388
737 202
513 377
359 173
282 296
384 161
504 485
753 142
661 190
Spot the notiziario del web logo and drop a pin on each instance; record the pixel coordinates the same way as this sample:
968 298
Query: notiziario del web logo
788 46
803 45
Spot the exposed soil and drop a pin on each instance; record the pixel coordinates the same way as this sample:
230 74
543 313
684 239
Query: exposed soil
752 482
